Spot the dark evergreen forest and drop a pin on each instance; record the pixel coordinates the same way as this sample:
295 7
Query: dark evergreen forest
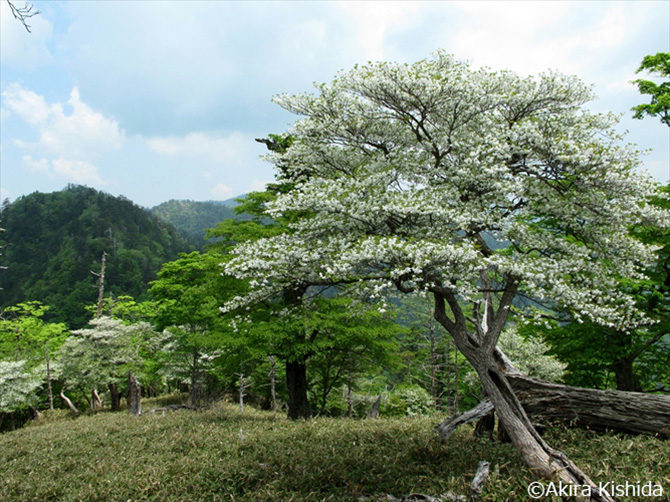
54 241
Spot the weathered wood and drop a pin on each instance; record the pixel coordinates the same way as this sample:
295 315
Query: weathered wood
479 480
476 487
69 403
448 426
134 398
630 412
50 394
96 402
115 397
373 412
546 402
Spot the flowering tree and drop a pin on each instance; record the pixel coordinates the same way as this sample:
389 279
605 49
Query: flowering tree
102 354
477 186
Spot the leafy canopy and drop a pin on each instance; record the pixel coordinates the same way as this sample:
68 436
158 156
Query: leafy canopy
658 65
467 183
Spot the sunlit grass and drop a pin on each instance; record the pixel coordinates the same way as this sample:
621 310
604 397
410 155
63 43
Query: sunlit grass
220 455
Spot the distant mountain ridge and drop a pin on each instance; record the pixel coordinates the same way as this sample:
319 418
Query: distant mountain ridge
194 218
53 241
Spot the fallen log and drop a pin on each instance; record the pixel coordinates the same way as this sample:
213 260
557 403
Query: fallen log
601 410
630 412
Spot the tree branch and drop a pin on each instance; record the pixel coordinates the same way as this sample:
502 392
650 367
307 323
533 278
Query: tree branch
23 13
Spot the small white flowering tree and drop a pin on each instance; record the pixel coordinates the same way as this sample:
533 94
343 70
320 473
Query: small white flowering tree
479 187
102 354
18 387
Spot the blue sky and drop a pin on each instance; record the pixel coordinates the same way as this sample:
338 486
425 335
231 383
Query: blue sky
162 100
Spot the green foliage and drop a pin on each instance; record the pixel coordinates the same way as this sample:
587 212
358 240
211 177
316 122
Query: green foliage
658 65
24 335
408 401
53 241
218 454
189 292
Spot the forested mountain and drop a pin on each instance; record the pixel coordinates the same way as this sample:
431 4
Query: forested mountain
193 218
53 241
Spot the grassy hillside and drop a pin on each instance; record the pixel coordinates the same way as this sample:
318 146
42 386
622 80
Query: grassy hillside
220 455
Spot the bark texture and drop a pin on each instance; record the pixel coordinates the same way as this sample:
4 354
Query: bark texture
134 396
296 383
480 350
630 412
69 403
115 396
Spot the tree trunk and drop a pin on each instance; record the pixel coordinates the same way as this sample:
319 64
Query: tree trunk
195 394
49 390
101 286
625 377
242 388
296 383
115 396
134 398
96 402
350 402
273 384
479 349
35 412
373 412
69 403
630 412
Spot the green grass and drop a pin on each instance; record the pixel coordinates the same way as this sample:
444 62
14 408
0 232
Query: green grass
220 455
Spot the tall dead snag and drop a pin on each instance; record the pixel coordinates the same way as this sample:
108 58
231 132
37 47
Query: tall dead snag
273 383
373 412
49 389
101 285
134 395
96 402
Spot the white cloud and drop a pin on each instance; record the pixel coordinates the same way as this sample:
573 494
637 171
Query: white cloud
35 166
222 191
232 149
507 34
77 171
374 21
258 185
28 105
5 194
70 135
83 134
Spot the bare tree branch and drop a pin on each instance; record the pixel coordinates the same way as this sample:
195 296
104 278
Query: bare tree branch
23 13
